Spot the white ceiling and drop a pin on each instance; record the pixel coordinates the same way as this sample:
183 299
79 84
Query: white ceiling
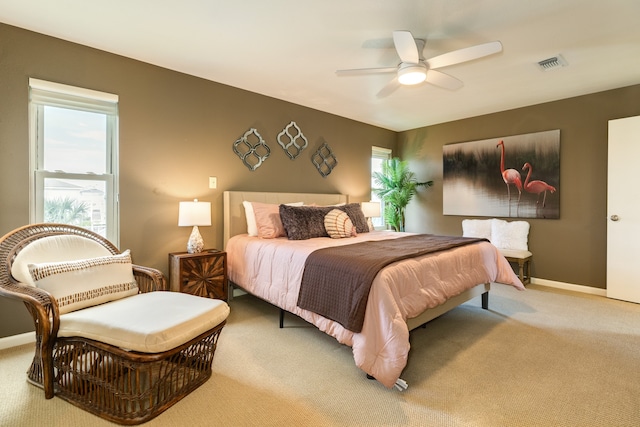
290 49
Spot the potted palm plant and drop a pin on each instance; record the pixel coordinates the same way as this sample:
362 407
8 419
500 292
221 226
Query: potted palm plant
396 186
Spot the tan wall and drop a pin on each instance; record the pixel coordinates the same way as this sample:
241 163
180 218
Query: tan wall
571 249
175 131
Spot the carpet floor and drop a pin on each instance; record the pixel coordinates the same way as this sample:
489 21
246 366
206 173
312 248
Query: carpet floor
542 357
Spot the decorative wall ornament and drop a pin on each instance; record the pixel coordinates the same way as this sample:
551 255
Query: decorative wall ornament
292 140
251 149
324 160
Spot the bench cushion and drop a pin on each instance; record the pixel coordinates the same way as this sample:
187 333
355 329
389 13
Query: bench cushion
151 322
512 253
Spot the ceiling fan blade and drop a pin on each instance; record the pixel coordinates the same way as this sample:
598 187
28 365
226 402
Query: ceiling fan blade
464 55
406 47
389 88
438 78
362 71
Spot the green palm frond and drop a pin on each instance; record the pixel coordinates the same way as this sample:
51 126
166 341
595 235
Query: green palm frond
65 210
395 186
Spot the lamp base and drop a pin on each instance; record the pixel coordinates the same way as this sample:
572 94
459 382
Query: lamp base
195 243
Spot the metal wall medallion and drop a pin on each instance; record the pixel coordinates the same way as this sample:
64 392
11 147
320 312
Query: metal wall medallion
324 160
251 149
292 140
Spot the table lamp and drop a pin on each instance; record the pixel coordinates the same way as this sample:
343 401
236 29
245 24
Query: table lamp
194 214
370 210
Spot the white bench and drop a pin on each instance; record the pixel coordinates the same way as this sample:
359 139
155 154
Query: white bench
510 237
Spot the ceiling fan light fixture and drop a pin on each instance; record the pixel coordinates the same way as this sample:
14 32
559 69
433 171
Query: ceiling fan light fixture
412 74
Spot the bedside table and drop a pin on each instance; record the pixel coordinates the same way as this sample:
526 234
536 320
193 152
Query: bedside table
203 273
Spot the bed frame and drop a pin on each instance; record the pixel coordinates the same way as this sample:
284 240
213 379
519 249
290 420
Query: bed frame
235 223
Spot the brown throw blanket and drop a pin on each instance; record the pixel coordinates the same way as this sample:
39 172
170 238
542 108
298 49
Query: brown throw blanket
336 281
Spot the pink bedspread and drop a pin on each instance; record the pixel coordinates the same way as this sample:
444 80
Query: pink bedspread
272 270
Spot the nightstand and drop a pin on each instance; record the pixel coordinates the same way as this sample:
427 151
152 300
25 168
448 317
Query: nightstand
203 273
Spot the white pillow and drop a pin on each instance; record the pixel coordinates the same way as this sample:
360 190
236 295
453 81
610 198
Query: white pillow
252 226
338 224
57 248
84 283
476 228
510 235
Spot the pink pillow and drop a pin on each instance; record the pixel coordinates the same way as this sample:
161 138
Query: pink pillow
268 220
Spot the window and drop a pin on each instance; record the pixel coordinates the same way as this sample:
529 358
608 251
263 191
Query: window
378 156
74 140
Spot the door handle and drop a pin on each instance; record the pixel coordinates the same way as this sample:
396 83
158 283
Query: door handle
614 217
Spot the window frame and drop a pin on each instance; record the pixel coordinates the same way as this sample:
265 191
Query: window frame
43 93
382 154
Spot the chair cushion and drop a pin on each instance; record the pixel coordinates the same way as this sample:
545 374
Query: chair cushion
151 322
54 249
83 283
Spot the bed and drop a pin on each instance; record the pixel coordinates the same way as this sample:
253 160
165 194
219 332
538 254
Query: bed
403 295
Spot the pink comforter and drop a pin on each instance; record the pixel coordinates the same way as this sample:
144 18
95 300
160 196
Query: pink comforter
272 270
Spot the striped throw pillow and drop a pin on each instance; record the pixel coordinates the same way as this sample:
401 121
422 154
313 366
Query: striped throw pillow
86 282
338 224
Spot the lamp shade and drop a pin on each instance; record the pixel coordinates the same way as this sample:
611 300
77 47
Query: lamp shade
194 213
371 209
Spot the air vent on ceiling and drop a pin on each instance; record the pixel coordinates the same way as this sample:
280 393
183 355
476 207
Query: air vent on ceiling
552 63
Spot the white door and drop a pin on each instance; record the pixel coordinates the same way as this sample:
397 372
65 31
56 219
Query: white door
623 210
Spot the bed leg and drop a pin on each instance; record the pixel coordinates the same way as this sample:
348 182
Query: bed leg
281 318
485 300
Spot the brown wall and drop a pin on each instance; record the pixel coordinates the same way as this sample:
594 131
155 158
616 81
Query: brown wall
175 131
571 249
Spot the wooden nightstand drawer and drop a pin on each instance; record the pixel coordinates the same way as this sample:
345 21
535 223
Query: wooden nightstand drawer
203 273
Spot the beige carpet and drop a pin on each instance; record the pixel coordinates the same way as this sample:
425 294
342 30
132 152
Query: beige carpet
537 358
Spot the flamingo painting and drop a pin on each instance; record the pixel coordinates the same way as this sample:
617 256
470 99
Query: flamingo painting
536 186
509 176
470 183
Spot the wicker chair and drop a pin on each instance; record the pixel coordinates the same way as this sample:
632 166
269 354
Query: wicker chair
123 385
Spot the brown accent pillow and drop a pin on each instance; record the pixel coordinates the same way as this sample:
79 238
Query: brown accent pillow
307 222
304 222
354 210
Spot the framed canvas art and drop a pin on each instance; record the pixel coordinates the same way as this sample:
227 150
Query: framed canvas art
513 176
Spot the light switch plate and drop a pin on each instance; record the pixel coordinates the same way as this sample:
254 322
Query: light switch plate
213 182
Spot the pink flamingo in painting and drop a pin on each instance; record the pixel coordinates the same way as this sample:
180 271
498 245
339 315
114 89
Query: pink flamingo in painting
509 176
536 186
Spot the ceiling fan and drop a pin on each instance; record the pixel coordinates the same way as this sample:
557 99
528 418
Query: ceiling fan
414 69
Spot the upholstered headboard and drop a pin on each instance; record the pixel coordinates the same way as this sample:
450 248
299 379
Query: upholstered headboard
234 218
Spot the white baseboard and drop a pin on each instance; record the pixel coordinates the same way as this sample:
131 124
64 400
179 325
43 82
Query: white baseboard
16 340
570 287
